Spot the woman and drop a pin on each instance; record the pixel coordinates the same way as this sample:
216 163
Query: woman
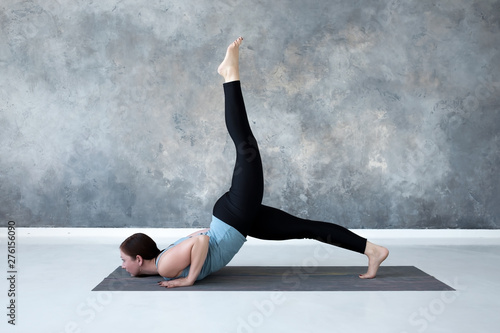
238 213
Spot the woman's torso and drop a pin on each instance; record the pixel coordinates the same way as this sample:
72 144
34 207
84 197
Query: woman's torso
225 241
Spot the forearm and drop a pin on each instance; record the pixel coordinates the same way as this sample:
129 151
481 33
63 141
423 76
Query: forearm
198 255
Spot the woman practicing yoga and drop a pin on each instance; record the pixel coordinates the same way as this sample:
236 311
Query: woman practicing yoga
238 213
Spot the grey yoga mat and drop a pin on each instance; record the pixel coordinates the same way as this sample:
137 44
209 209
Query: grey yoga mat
287 278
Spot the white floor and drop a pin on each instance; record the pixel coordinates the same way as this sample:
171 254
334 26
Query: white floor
57 268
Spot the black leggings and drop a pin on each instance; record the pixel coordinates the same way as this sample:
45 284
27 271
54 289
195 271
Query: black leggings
241 207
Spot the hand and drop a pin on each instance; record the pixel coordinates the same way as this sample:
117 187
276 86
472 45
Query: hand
182 282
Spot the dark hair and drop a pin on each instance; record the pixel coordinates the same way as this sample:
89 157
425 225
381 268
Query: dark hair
140 244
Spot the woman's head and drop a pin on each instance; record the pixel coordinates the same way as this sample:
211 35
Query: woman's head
135 249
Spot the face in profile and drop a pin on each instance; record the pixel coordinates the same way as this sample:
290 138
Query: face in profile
131 265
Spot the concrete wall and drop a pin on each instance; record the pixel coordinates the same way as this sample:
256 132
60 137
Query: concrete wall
371 114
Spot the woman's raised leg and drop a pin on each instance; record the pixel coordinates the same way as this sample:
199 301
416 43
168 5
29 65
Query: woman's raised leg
240 204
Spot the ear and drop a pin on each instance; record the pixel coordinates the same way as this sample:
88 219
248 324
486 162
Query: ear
139 259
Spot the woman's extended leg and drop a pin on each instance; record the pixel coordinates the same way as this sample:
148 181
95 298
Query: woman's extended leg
274 224
239 206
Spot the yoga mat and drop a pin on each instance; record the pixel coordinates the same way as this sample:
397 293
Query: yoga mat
287 278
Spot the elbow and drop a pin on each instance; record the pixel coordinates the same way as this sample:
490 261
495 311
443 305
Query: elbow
203 239
203 243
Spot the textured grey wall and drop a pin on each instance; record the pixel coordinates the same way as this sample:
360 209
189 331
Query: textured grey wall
371 114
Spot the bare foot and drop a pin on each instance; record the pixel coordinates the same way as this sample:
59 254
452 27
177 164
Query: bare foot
229 68
376 255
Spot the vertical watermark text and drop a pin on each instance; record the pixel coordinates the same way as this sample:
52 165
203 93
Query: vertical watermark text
11 273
